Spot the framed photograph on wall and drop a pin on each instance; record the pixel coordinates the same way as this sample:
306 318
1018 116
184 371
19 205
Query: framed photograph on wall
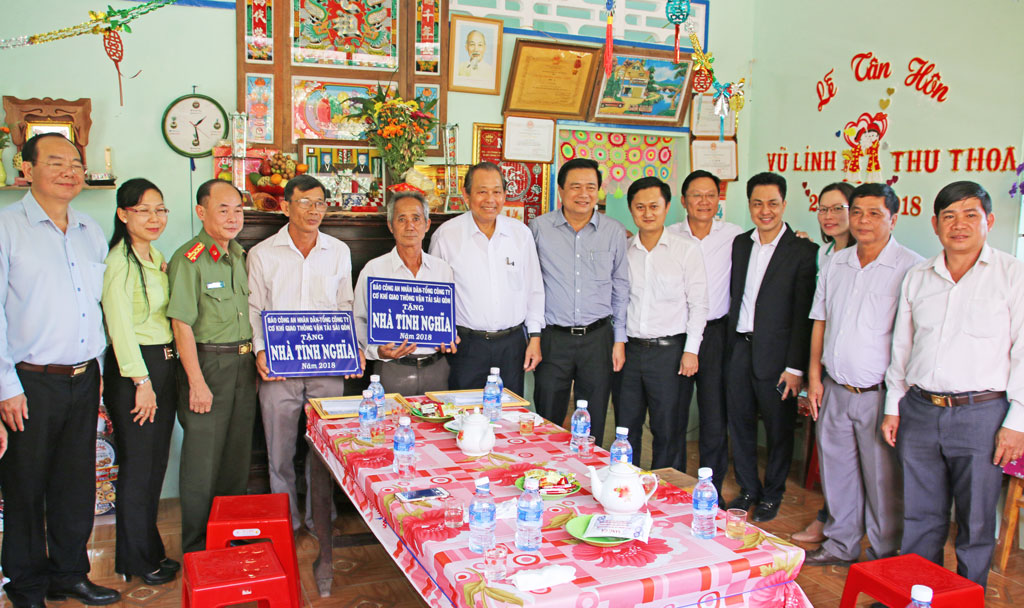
552 80
259 106
37 128
474 55
353 174
646 87
321 107
359 34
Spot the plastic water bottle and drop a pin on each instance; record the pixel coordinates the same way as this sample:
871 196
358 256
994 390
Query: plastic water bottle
492 399
530 516
920 597
705 505
621 450
481 517
580 426
496 372
367 416
405 447
378 395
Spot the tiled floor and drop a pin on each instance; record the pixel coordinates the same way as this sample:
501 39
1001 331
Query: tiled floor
366 577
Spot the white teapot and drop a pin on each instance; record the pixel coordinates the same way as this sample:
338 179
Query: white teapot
622 490
476 437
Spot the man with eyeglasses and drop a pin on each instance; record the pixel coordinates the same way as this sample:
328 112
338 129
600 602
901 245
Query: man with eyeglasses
854 310
700 198
302 269
51 335
586 293
209 312
772 285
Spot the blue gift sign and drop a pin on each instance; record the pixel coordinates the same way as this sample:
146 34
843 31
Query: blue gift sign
310 343
421 312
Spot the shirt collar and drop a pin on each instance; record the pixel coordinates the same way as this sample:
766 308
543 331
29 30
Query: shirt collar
939 263
662 241
716 225
398 264
757 240
35 214
560 218
888 256
233 247
284 239
500 227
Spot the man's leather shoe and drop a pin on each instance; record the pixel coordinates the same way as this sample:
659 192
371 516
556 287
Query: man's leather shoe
743 501
157 577
822 557
766 511
170 564
85 591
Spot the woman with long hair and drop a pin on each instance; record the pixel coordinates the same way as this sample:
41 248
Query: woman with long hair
834 221
139 377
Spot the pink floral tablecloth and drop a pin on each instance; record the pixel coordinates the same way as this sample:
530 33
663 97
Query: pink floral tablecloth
672 570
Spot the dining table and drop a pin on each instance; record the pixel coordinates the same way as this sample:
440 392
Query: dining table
673 569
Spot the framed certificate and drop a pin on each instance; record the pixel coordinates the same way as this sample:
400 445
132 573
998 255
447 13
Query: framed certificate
529 139
549 79
704 122
718 157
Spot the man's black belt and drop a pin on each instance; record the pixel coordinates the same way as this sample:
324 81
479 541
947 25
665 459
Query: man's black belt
238 348
489 335
421 361
582 329
662 341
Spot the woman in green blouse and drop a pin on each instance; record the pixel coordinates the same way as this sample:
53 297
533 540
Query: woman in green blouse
139 377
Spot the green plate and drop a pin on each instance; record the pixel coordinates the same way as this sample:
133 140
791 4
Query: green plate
577 526
415 411
450 427
522 480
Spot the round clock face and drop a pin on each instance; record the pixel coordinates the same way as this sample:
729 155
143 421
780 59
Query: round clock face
193 124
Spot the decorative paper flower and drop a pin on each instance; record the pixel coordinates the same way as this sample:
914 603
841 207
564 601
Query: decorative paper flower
418 529
634 553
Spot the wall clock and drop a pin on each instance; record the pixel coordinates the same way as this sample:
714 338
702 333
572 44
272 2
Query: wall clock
193 124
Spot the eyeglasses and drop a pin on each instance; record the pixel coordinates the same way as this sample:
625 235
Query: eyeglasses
305 204
158 212
835 209
61 166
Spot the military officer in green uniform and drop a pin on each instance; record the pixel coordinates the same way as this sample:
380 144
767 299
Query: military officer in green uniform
217 385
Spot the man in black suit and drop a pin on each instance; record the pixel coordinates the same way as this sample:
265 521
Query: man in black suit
772 286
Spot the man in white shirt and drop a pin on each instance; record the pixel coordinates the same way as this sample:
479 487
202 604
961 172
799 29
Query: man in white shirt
301 269
405 368
700 198
771 287
664 324
498 286
854 310
955 402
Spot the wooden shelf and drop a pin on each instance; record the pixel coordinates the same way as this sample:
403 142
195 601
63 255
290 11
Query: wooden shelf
86 187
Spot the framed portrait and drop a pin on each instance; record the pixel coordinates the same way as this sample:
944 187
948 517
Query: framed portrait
474 54
36 128
646 87
360 34
353 174
551 80
321 107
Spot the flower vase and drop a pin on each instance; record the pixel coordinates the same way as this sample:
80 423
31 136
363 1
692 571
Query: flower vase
3 173
394 177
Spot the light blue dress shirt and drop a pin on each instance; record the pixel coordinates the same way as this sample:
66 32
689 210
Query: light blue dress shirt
50 288
586 275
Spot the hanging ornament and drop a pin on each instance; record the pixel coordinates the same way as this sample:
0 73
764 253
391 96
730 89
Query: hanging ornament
703 72
736 99
98 23
723 92
609 60
115 50
677 12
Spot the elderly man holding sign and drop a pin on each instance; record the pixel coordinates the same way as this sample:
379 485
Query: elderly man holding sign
412 300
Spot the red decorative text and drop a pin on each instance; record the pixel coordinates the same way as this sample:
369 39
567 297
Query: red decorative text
922 79
866 67
826 90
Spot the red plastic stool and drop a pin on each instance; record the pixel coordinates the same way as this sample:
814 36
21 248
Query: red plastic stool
889 581
257 516
222 577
